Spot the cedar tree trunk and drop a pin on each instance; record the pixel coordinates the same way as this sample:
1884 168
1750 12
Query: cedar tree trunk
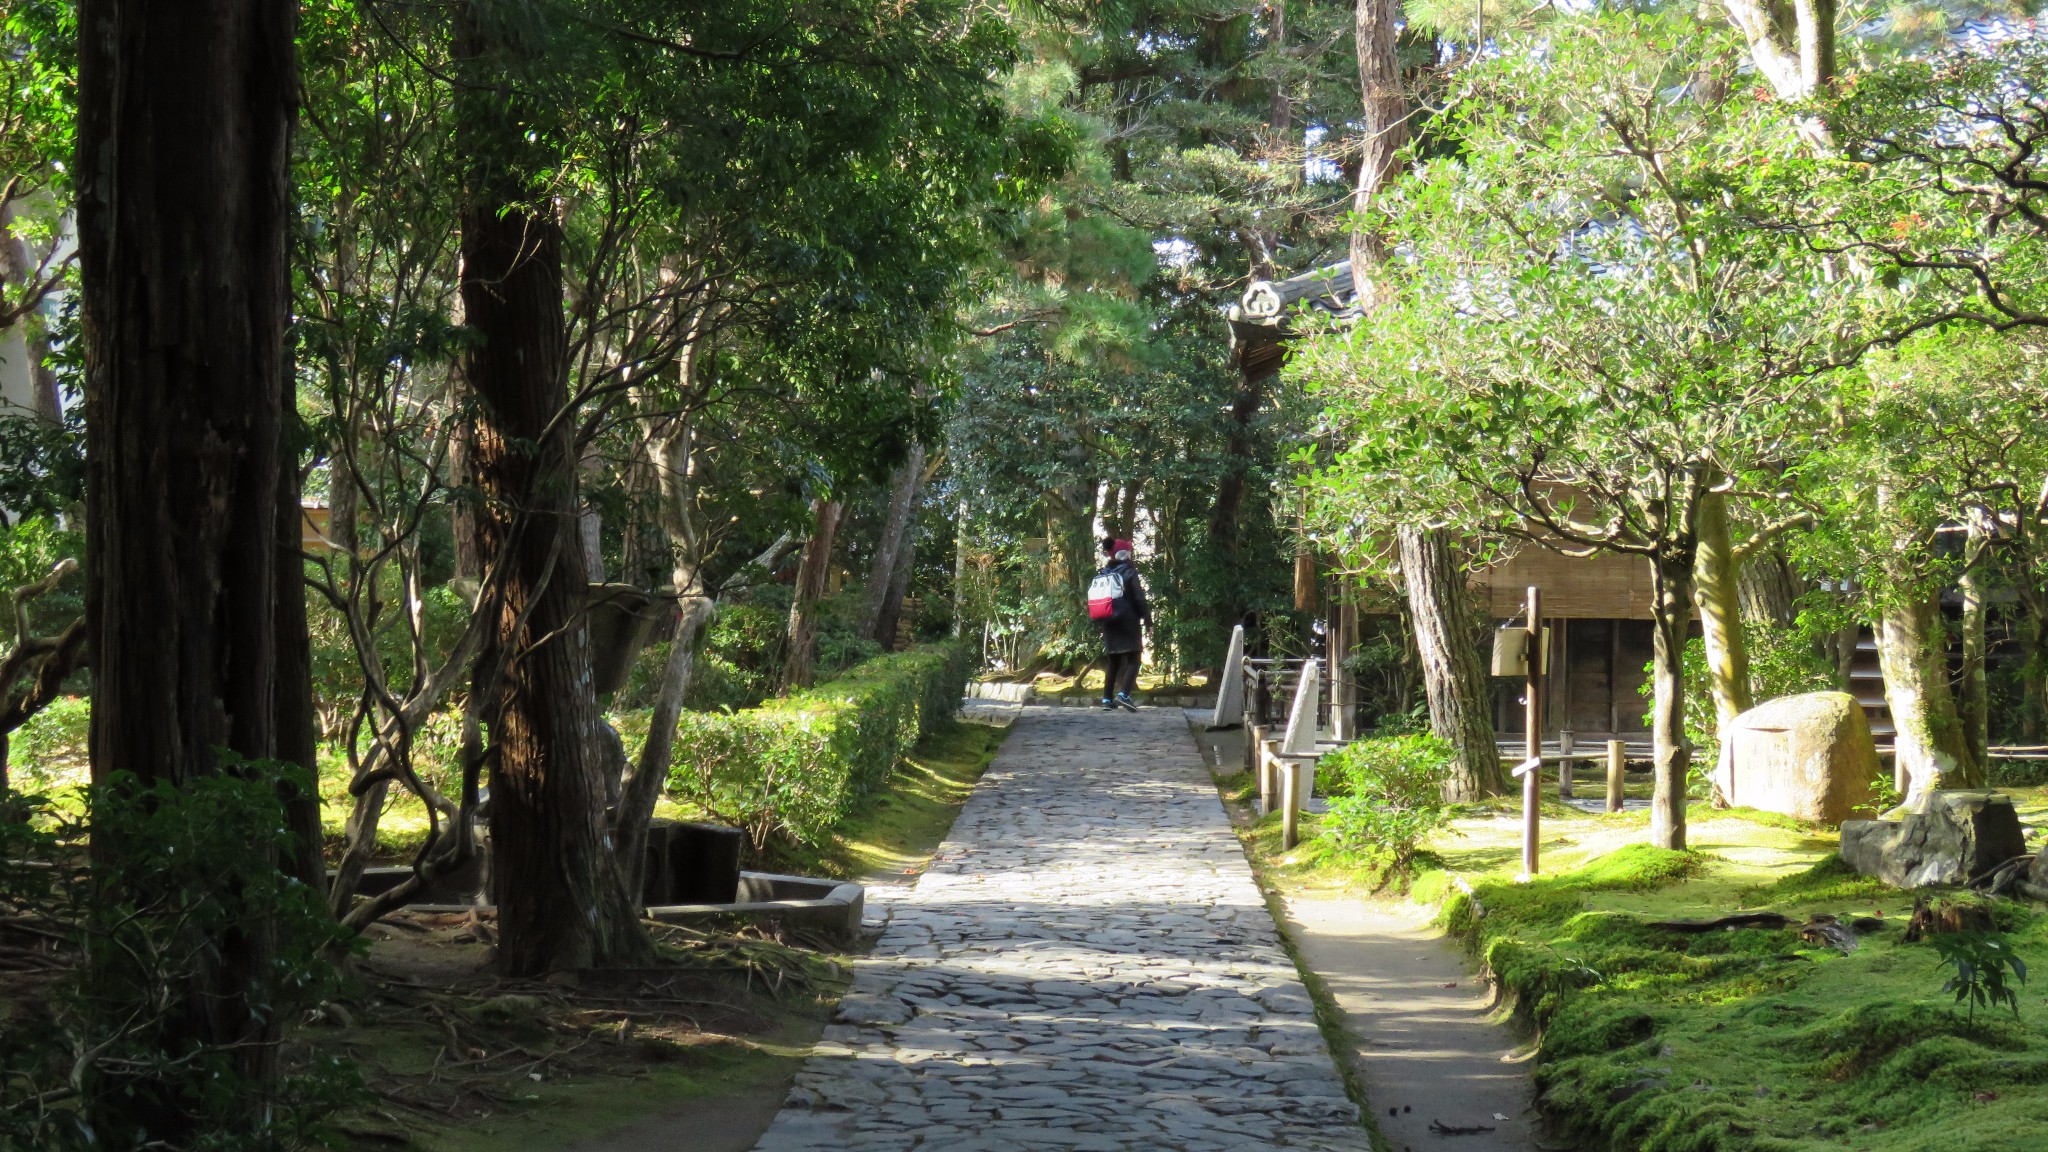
903 486
891 621
561 903
1460 698
1383 132
810 588
184 144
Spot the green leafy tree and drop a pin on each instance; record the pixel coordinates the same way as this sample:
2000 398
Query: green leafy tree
1587 337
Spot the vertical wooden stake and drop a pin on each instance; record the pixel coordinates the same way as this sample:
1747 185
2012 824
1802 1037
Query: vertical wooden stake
1617 774
1532 783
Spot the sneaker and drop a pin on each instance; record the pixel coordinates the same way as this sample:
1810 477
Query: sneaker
1124 699
1108 705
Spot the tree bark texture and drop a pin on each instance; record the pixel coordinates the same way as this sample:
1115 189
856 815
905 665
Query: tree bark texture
797 670
1383 132
18 266
1716 588
1932 748
890 623
2033 663
903 490
298 726
1973 692
184 143
1460 695
1226 515
561 902
1671 613
1769 590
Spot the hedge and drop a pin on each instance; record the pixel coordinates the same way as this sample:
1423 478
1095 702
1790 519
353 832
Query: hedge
796 766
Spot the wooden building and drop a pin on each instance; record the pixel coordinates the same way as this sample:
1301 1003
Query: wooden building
1598 611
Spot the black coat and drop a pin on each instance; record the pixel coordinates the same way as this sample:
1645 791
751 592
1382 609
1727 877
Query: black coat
1120 633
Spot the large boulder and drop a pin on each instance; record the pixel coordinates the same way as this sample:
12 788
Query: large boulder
1958 837
1809 757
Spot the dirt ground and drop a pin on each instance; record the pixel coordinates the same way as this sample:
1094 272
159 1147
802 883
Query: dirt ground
460 1059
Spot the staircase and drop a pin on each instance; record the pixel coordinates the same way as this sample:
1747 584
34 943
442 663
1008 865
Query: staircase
1866 683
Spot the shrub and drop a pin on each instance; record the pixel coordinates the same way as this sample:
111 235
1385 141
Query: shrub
1392 799
1984 970
104 1055
50 746
795 766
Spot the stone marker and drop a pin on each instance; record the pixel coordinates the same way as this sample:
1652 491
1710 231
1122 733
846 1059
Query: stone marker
1809 757
1960 836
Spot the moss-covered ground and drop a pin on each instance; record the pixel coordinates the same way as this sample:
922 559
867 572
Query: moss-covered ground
1653 1040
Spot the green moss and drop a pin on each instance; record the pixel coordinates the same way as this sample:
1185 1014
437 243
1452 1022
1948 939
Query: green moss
1750 1040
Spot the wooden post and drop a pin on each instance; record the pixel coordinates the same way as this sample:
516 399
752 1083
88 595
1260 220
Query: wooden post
1290 801
1566 741
1265 769
1617 773
1532 781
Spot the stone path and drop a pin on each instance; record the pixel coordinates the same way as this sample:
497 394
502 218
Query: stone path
1087 965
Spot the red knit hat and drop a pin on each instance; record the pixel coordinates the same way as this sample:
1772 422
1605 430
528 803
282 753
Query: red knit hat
1116 546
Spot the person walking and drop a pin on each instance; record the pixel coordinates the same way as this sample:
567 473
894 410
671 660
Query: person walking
1116 602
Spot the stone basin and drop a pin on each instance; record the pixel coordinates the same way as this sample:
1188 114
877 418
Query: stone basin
832 907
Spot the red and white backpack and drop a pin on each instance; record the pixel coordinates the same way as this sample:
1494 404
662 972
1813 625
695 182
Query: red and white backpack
1106 595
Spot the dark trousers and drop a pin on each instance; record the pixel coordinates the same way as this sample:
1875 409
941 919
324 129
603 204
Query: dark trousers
1119 673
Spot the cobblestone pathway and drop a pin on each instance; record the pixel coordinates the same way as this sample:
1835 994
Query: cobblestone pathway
1087 965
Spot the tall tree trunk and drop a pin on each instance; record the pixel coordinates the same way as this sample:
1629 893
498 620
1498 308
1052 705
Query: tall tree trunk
1769 590
462 505
561 900
1716 580
1973 693
961 540
184 144
1226 515
899 588
18 266
298 728
2033 663
810 589
1383 131
1460 696
1932 748
903 489
1071 527
1671 613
